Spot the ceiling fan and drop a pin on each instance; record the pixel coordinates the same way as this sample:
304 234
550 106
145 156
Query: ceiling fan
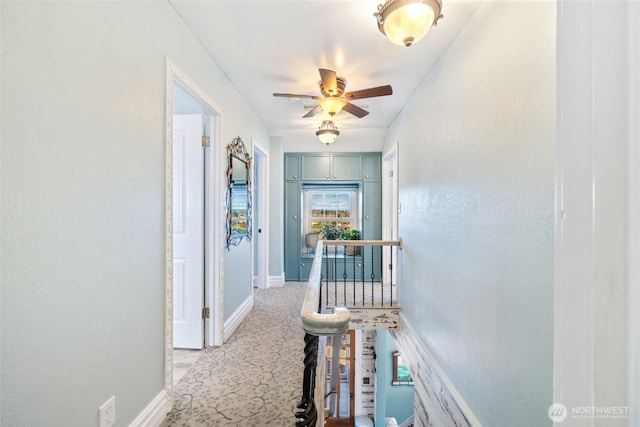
334 99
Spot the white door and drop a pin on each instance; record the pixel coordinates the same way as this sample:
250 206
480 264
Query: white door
188 232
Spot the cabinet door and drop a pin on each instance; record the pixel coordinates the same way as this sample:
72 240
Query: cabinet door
372 228
316 167
292 167
347 168
372 211
291 230
372 167
305 269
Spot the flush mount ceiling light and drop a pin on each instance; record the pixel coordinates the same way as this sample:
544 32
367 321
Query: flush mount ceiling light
405 22
332 105
327 133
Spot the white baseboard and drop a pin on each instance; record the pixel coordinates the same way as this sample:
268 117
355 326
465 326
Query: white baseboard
232 323
154 413
275 281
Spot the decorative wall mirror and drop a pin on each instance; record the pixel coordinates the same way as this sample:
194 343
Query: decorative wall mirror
238 193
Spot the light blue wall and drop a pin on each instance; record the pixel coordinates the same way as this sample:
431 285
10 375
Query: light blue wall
237 277
391 401
476 173
82 214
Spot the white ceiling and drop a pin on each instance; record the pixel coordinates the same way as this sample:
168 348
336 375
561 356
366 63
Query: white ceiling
277 46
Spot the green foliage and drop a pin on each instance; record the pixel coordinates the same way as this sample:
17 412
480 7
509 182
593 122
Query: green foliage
350 235
330 232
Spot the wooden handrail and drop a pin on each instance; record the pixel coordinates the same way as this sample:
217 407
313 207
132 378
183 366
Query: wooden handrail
362 243
314 322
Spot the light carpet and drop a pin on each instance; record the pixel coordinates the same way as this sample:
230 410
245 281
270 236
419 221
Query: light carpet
255 378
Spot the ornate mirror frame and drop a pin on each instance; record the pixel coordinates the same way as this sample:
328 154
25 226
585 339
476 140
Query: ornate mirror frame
238 193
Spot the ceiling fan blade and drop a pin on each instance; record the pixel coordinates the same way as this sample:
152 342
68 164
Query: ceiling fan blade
314 111
369 93
355 110
293 95
329 81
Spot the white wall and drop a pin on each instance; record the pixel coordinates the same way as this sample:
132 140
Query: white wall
594 329
476 160
83 143
349 140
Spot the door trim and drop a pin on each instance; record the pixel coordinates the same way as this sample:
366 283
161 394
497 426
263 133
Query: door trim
213 227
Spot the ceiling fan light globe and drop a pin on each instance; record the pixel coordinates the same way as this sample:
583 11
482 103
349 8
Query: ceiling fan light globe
327 133
332 105
406 22
327 137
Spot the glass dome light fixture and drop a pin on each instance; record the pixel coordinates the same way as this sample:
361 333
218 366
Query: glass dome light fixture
406 22
332 105
327 133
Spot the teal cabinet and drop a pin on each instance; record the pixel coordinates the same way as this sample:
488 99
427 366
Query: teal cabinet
292 167
291 230
356 170
371 211
372 228
305 269
372 167
347 168
316 167
328 167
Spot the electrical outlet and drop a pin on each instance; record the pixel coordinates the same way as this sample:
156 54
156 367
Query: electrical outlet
108 413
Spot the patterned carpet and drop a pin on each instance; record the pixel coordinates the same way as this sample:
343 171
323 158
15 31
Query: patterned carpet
255 378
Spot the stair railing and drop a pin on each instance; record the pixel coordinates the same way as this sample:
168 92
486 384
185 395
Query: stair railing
316 323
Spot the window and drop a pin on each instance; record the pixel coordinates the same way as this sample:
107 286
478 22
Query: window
328 206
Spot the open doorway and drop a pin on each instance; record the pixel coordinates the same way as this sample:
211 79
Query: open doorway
260 237
193 267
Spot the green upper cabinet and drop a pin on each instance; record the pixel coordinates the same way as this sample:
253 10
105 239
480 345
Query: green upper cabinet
292 167
347 168
327 167
372 167
316 167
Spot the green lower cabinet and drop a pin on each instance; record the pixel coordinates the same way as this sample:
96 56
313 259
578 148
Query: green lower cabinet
338 269
305 269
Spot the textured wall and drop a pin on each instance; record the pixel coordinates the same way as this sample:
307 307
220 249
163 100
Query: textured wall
83 143
476 177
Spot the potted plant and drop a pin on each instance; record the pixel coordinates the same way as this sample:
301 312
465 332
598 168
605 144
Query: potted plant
351 235
330 232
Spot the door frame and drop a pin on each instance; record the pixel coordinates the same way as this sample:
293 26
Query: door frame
213 218
261 199
390 197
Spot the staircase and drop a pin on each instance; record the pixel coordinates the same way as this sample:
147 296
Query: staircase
335 301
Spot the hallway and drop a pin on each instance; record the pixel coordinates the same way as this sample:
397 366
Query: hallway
255 378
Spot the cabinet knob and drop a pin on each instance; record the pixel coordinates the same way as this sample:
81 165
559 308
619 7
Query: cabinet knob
366 176
302 264
295 176
335 176
326 176
366 217
295 217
